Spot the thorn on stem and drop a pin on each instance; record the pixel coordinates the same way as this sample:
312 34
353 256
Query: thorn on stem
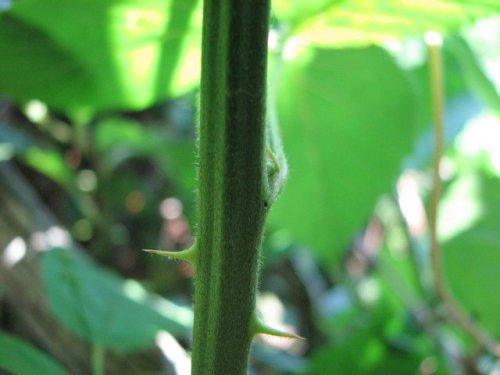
261 328
188 255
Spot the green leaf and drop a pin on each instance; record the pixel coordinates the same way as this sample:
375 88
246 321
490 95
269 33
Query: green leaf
118 139
469 222
117 132
295 12
102 308
50 163
375 338
340 22
362 354
473 72
35 152
471 257
373 332
32 62
347 121
80 55
21 358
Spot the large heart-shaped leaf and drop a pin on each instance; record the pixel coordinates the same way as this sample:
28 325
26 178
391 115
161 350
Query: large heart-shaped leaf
347 118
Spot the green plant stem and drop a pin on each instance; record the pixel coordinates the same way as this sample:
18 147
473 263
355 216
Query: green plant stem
98 359
437 97
455 310
232 187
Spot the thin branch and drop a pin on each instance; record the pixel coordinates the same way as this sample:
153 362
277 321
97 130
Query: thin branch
434 43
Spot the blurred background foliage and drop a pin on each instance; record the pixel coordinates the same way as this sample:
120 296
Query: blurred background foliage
97 161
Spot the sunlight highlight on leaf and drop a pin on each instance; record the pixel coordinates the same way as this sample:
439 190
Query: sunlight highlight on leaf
100 55
355 22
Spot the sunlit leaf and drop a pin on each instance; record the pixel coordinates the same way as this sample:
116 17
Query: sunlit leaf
99 55
474 73
342 22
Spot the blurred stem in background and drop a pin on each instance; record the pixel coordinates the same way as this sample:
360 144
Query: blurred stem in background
434 43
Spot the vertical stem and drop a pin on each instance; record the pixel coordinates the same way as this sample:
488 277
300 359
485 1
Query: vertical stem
98 359
231 182
437 97
437 92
